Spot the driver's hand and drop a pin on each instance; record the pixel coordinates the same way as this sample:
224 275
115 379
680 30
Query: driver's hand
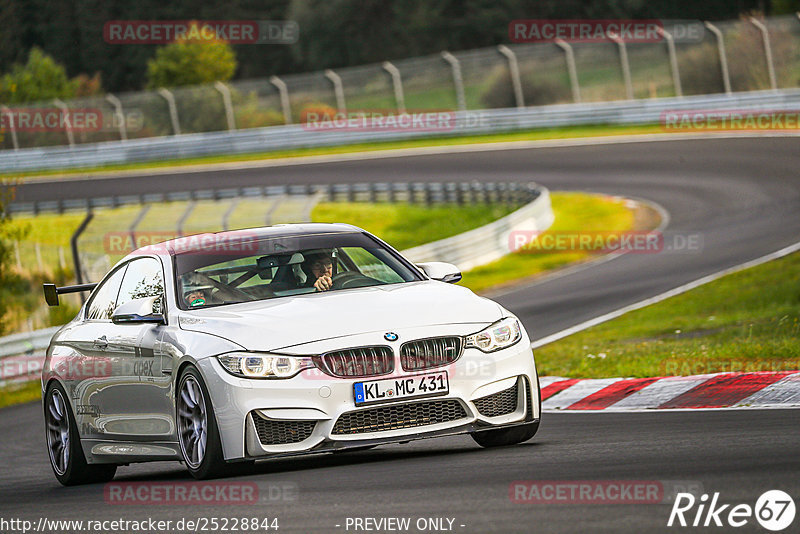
323 283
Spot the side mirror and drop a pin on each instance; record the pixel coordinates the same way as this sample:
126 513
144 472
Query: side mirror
137 311
438 270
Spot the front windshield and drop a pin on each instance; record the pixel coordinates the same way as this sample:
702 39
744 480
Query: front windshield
281 267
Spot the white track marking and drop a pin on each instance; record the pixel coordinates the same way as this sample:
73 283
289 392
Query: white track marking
663 296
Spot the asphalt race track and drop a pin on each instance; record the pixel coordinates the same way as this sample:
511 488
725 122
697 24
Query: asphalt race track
741 196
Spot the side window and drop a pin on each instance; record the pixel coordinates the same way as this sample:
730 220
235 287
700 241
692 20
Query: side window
103 301
142 279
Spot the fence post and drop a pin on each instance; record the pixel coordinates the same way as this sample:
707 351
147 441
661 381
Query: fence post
67 123
673 61
135 223
12 127
338 90
723 59
458 80
773 82
227 215
271 210
397 84
226 101
283 91
62 261
73 242
626 68
118 113
184 217
19 258
571 69
513 68
173 110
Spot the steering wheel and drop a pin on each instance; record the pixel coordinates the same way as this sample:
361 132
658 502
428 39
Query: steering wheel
349 279
225 288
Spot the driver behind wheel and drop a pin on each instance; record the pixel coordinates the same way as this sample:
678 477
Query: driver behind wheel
321 267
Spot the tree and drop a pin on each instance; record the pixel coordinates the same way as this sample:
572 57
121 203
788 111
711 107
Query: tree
41 78
191 61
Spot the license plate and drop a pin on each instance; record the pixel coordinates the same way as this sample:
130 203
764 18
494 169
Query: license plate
404 387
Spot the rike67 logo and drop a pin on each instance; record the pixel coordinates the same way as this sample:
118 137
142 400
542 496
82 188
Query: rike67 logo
774 510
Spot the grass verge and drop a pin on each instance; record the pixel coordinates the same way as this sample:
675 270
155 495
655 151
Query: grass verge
12 394
531 135
746 321
408 225
574 212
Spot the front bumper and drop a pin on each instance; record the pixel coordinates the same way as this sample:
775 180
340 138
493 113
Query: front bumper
300 414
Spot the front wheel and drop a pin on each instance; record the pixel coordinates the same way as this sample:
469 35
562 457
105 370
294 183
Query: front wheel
198 434
506 436
64 443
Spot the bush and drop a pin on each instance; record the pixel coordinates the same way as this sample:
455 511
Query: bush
318 112
11 283
535 92
41 78
191 62
701 72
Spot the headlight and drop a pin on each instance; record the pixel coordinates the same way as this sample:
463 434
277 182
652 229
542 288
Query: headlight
262 365
500 335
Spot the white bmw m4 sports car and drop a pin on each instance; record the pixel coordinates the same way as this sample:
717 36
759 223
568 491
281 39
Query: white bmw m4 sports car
227 348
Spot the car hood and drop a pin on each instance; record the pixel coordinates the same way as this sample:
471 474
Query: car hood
286 321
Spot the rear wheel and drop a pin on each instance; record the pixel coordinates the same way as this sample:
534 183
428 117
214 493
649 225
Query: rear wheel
198 434
64 443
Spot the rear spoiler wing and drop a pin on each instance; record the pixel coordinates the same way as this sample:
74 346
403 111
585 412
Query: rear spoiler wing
51 292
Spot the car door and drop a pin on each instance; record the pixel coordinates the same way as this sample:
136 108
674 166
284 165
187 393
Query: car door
92 372
146 406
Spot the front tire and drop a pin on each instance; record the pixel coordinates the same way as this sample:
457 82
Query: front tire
511 436
64 443
198 434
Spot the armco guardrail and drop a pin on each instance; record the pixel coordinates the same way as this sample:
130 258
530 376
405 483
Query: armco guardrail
412 192
490 242
464 123
22 355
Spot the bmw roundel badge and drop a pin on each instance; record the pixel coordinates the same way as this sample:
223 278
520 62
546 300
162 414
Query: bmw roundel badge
390 336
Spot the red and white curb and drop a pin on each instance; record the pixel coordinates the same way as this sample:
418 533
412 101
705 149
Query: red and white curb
722 390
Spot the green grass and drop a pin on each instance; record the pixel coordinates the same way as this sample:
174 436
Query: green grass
12 394
533 135
408 225
746 321
573 212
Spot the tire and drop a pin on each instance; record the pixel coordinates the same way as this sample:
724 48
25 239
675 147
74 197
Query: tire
64 443
198 434
510 436
505 436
